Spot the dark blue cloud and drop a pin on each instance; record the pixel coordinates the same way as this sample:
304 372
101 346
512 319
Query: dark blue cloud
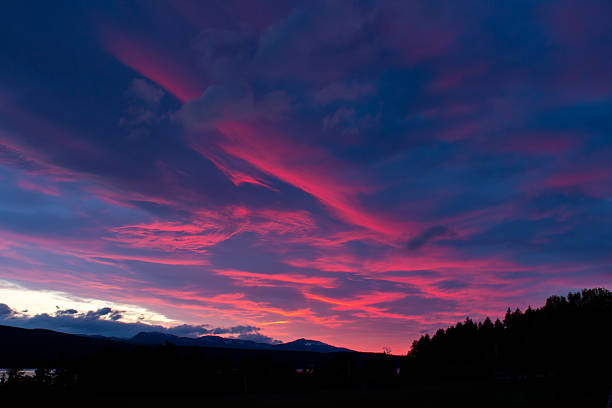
428 235
106 322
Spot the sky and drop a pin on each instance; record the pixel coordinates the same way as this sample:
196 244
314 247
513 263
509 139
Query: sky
356 172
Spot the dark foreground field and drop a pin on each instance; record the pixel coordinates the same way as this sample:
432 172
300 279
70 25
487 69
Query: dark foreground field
457 394
440 395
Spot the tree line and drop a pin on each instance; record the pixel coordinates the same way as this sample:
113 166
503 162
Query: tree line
569 337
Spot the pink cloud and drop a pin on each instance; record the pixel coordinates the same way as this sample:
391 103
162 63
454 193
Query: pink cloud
541 142
236 176
208 228
171 236
94 250
160 66
576 177
262 279
27 124
43 189
414 34
238 302
306 168
364 304
448 80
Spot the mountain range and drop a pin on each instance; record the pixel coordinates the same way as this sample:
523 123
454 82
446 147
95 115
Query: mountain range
154 338
33 344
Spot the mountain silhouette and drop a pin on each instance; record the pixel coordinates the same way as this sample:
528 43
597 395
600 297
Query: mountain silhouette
309 345
28 347
156 338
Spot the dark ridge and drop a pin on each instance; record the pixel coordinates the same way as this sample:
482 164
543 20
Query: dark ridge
155 338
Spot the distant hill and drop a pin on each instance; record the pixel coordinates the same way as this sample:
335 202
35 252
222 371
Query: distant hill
154 338
31 347
310 345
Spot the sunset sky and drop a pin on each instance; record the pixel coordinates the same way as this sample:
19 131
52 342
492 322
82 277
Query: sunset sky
356 172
